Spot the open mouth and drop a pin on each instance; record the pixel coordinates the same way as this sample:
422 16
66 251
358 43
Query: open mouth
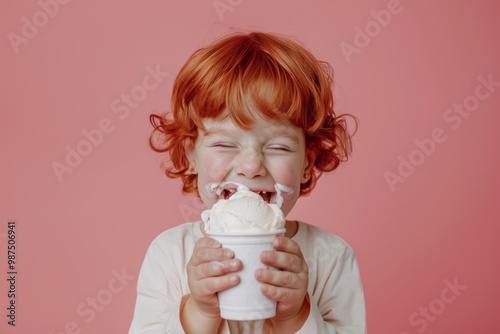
266 195
225 190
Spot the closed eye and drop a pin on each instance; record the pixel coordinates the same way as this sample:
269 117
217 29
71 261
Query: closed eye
279 148
223 145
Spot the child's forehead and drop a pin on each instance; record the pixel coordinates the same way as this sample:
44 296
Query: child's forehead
226 126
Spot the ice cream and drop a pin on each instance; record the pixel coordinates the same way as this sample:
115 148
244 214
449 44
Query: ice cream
247 223
244 212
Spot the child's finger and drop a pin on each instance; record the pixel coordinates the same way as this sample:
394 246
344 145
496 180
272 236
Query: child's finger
205 254
282 295
207 242
216 284
217 268
279 278
287 245
284 261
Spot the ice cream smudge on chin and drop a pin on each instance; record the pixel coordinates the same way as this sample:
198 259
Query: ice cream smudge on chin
282 192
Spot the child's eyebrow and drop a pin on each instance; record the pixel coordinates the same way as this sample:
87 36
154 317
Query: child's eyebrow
215 131
276 133
287 134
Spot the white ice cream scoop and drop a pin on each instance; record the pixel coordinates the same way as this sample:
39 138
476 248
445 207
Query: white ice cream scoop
245 212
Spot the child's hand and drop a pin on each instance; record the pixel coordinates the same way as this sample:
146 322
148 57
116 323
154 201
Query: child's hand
288 286
209 271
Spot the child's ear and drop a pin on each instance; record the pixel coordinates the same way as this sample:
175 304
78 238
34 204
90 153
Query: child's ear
189 148
308 166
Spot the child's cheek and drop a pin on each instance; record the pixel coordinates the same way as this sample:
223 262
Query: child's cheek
283 174
216 169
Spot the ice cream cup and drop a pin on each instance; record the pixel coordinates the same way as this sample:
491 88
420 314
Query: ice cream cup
245 301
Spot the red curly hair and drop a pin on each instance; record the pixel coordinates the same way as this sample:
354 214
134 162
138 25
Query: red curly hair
283 81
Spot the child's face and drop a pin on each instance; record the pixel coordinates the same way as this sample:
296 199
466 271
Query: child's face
270 152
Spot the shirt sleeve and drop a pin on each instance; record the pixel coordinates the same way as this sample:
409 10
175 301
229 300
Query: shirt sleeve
159 294
335 290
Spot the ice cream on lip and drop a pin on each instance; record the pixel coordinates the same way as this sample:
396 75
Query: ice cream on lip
227 189
242 211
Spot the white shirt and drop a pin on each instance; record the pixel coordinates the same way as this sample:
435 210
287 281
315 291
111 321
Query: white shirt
335 289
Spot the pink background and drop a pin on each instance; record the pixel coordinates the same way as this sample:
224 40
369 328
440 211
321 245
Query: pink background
74 234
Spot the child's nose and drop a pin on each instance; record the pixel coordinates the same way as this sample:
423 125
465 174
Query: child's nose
250 165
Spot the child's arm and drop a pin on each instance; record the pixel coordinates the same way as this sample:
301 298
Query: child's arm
287 286
337 299
162 287
209 271
336 303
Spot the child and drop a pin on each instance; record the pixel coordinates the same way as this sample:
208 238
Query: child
254 109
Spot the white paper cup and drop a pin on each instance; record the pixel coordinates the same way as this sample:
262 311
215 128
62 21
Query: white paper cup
245 301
